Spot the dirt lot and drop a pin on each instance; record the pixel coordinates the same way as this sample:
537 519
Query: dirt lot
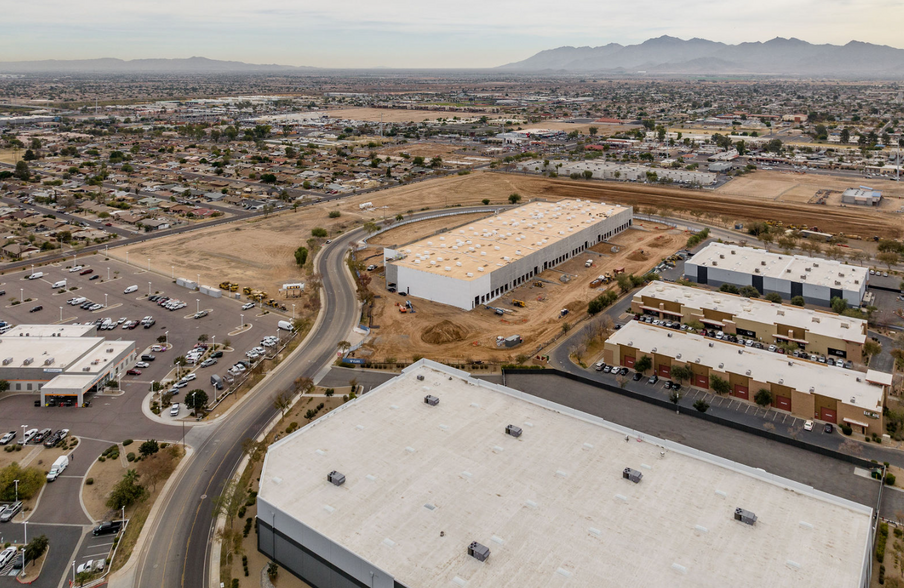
425 150
442 332
399 116
800 188
422 229
105 474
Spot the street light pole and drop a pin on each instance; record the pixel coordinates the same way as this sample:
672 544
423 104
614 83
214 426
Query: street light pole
17 489
108 273
243 321
198 300
105 301
149 289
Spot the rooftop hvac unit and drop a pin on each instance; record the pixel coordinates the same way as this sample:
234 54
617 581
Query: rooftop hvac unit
745 516
762 263
711 344
632 474
807 269
513 431
7 361
420 377
715 264
431 400
86 369
756 270
721 256
109 350
335 478
48 361
478 551
740 351
815 265
733 252
28 361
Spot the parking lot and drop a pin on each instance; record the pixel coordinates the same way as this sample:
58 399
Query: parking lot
108 289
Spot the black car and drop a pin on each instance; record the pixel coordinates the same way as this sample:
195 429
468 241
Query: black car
36 308
94 277
148 358
107 528
623 371
153 298
2 292
637 376
87 304
828 429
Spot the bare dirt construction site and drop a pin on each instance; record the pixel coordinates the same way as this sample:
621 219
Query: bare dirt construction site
801 187
438 331
425 150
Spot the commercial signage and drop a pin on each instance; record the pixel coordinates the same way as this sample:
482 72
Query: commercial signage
353 360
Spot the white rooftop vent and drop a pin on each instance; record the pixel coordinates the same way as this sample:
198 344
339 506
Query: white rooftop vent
470 274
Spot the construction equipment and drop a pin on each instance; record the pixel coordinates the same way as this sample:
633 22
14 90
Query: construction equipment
538 284
228 286
247 290
519 303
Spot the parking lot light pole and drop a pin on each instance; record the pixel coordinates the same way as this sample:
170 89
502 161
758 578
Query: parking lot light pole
243 321
105 301
166 338
24 428
108 273
214 342
73 573
17 489
61 314
198 300
149 289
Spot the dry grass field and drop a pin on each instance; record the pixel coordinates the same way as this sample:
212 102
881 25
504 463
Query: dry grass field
800 188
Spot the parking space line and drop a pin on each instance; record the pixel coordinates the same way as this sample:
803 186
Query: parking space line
748 408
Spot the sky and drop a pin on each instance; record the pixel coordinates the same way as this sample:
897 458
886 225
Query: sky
415 33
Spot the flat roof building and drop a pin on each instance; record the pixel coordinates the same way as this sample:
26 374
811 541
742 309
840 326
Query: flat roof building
484 486
479 262
815 331
817 280
61 360
802 387
861 196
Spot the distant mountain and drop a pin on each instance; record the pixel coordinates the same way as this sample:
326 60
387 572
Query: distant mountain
669 55
192 65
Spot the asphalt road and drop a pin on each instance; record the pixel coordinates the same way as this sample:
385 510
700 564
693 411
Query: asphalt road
182 533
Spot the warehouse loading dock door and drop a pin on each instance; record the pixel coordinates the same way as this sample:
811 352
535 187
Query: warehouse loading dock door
701 381
629 361
783 402
664 371
741 392
828 415
702 276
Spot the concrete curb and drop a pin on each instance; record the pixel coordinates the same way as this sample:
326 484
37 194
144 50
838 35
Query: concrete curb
124 577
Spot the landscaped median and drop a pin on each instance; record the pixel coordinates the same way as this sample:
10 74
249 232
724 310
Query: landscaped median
127 478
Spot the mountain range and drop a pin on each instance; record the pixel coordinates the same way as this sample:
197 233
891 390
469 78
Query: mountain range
670 55
191 65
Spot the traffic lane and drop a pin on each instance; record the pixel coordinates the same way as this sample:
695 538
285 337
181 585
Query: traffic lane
61 503
62 541
821 472
222 451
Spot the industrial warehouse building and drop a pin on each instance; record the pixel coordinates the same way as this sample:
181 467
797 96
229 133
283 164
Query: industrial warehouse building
479 262
804 388
814 331
61 361
817 280
862 196
439 479
604 170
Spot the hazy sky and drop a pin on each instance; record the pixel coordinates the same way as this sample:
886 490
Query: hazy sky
415 33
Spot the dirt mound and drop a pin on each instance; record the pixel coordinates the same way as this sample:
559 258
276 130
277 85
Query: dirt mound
444 332
660 241
638 256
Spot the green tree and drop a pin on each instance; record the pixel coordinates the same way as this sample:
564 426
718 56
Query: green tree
871 348
22 172
719 385
682 373
798 301
701 405
4 385
514 198
149 447
335 214
838 304
763 397
126 492
31 480
319 232
845 136
624 282
371 227
749 292
196 400
418 161
593 131
485 201
643 364
301 256
730 288
774 297
36 547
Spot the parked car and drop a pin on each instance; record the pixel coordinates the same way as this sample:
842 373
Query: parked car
86 272
94 277
142 364
76 268
201 314
828 428
637 376
174 409
10 511
36 308
85 567
623 371
248 306
7 438
208 362
133 372
107 528
6 556
808 426
599 367
147 357
653 379
43 434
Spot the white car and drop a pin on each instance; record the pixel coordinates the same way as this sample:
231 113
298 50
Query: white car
808 426
7 438
189 378
7 556
174 409
158 348
180 384
85 567
77 268
248 306
142 364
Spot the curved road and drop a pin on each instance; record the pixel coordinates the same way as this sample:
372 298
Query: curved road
181 534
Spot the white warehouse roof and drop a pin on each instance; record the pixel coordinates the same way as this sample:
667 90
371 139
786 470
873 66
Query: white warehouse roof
424 481
468 252
793 268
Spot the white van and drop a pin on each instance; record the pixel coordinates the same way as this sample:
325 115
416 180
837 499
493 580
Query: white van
60 284
36 275
174 409
61 463
285 325
78 300
28 436
130 289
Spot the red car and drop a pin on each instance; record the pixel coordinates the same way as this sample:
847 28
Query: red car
134 372
108 224
86 272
